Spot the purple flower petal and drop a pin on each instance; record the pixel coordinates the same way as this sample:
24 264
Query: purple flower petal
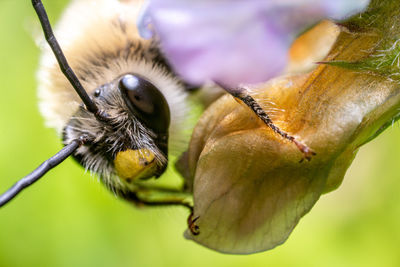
233 41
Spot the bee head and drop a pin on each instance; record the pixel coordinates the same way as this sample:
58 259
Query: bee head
127 104
132 142
124 76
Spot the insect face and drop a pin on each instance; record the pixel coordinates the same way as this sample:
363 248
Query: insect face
138 121
128 79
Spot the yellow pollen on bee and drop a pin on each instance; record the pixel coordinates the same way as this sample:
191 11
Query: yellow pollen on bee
135 164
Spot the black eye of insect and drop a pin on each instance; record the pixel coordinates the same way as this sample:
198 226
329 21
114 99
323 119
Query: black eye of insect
145 102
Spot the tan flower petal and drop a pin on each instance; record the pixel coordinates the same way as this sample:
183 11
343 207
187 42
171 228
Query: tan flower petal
249 188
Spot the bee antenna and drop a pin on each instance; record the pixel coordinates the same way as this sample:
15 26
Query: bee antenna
62 61
41 170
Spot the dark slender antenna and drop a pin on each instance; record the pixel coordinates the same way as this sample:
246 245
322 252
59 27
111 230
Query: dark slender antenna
90 105
41 170
62 61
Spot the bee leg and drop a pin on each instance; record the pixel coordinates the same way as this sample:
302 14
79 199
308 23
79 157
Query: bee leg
192 224
249 101
158 196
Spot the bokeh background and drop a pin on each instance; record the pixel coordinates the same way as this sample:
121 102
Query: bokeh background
69 219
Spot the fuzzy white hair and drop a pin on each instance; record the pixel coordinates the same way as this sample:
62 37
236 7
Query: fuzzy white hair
92 30
101 43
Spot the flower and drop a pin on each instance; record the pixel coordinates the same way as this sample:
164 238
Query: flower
249 189
233 41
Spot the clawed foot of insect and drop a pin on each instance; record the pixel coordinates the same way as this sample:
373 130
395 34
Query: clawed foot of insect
307 152
243 96
194 229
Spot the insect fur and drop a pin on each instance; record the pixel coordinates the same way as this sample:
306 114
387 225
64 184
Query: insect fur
110 59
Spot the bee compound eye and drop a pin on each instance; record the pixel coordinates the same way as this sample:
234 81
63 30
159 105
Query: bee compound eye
145 102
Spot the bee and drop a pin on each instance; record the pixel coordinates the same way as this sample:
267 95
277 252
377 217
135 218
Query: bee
131 108
129 79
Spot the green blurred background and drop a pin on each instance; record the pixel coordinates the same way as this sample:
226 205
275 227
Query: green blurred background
69 219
